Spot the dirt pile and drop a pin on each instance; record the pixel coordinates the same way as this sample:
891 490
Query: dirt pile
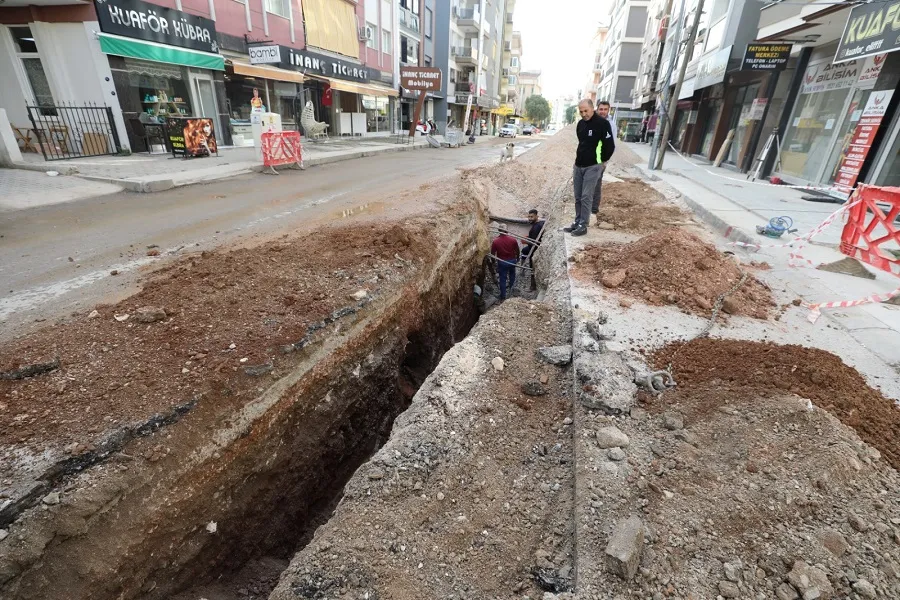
811 373
632 205
672 266
207 326
749 495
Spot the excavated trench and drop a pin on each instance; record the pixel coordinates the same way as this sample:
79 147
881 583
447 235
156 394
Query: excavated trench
250 488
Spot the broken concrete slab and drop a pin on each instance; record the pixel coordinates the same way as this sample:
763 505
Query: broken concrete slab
606 382
555 355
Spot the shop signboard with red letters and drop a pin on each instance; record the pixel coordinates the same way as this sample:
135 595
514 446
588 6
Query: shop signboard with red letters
861 142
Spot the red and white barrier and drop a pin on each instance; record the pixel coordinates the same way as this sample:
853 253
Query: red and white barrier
281 148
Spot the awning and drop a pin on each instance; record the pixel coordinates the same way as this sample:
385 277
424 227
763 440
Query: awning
122 46
264 72
367 89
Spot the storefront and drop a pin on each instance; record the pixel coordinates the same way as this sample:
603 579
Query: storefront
165 63
708 119
745 115
270 88
829 106
347 95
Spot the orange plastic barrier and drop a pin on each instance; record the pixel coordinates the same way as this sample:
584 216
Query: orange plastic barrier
281 148
871 227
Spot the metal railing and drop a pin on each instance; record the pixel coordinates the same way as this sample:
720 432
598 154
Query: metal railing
70 131
464 52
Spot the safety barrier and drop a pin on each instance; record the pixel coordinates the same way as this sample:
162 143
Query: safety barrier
865 238
281 148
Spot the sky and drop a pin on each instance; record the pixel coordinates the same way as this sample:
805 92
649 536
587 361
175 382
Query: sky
556 35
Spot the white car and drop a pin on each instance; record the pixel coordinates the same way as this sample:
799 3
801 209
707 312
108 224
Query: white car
508 131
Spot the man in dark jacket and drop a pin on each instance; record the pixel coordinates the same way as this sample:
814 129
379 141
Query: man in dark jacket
595 145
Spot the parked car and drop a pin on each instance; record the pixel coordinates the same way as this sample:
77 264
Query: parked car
508 131
528 130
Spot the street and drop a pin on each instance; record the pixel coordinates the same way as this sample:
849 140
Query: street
58 258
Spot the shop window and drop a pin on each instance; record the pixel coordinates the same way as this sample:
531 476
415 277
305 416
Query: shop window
159 89
27 52
278 7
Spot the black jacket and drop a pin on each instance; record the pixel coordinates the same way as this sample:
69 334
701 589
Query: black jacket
596 143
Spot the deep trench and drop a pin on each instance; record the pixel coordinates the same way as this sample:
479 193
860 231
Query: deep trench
248 568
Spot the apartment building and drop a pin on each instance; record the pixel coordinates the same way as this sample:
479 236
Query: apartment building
215 59
595 50
529 85
476 31
647 86
621 52
510 63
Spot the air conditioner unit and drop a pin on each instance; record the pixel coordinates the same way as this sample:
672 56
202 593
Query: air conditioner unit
366 33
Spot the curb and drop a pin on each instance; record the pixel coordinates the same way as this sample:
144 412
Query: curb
712 220
150 185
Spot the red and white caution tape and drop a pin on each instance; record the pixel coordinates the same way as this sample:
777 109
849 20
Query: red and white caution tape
815 310
812 188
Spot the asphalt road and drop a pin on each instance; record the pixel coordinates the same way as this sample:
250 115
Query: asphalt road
57 259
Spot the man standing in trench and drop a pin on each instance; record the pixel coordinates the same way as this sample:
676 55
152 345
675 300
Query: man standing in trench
595 145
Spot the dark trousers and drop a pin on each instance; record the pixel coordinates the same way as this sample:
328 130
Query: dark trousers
595 206
585 180
506 271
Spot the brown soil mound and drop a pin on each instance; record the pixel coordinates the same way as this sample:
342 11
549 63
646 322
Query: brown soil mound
808 372
228 316
633 205
673 266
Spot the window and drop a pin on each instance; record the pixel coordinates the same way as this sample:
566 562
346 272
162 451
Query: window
411 5
514 62
278 7
27 51
409 51
372 36
513 79
429 17
452 75
386 20
386 42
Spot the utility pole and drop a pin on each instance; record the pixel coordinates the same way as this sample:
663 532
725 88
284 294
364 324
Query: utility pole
667 76
673 101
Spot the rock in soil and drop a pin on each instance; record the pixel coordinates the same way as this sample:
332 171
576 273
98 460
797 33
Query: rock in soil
150 314
611 437
556 355
623 552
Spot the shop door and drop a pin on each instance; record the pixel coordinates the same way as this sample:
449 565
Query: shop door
843 134
742 126
205 95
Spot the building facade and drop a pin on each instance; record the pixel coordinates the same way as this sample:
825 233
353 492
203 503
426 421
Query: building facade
529 85
647 88
621 52
149 61
840 122
595 77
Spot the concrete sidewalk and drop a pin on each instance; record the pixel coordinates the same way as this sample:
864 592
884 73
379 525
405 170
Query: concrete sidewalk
155 173
733 209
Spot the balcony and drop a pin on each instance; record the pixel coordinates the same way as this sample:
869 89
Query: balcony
409 20
486 29
464 87
468 18
598 67
464 55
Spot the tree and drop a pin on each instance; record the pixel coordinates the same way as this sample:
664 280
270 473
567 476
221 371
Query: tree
537 109
570 114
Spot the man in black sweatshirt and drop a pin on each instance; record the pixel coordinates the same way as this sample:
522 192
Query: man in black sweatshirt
595 146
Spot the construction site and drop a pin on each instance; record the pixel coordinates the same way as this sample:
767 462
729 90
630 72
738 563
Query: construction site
345 410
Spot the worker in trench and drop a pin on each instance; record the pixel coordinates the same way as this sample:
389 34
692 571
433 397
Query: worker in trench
505 249
532 242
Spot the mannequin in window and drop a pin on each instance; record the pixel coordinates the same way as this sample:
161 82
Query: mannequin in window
256 103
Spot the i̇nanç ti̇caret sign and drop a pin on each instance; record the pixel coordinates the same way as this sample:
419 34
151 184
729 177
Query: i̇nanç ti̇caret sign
872 28
154 23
